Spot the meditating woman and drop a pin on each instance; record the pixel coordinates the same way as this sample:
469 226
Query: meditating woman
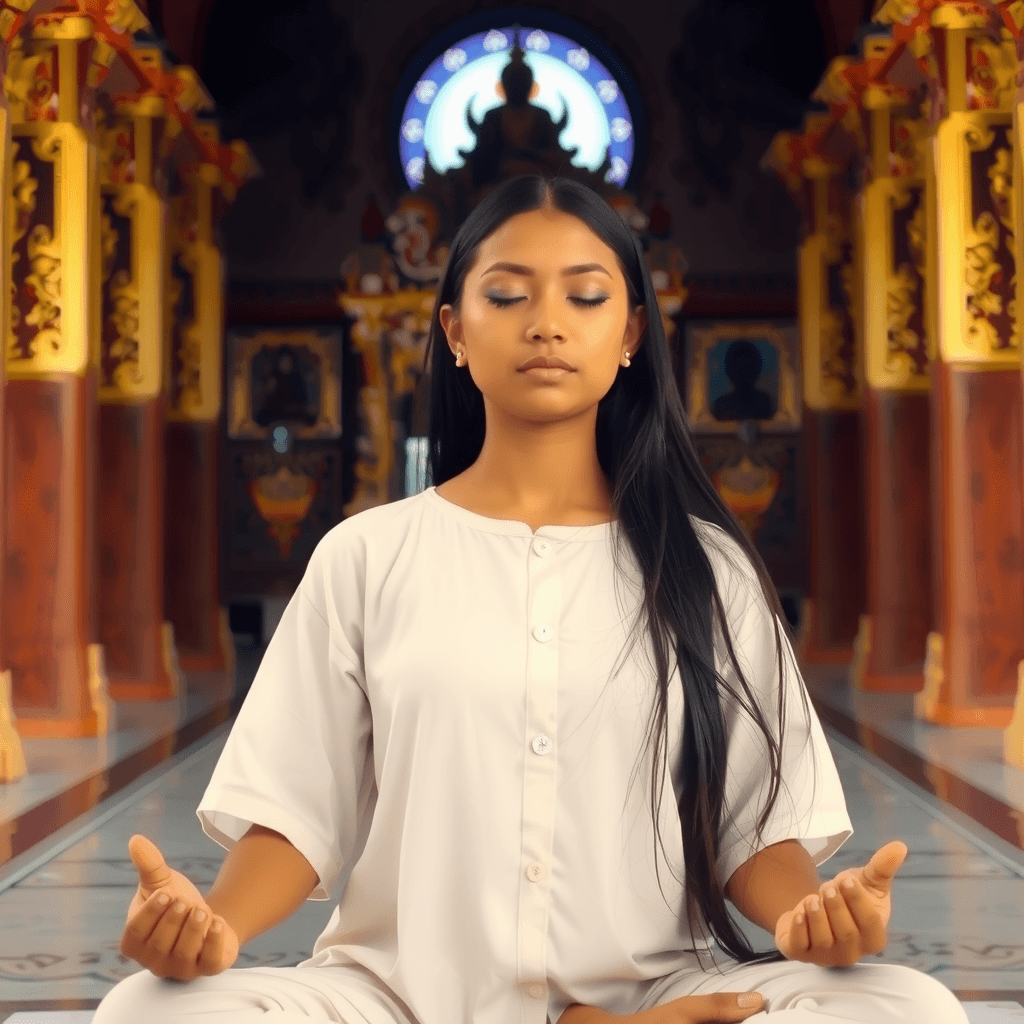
444 724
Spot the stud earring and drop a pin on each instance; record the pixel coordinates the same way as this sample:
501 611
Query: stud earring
627 359
458 357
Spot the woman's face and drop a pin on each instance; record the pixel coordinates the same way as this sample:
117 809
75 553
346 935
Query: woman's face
543 285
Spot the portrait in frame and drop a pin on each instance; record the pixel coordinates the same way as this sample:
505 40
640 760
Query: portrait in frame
284 376
740 371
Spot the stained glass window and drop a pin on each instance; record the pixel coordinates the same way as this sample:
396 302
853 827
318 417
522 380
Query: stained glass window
467 72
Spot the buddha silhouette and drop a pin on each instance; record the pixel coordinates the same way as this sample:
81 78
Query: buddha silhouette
743 366
517 137
285 395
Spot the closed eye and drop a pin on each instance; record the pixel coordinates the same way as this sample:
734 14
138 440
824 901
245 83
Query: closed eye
502 303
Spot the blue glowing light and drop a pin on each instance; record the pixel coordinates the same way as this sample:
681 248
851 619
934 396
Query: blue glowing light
468 73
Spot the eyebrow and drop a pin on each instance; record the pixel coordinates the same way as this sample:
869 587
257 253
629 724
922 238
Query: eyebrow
518 268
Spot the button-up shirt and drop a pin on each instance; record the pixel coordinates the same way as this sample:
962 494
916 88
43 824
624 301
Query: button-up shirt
436 727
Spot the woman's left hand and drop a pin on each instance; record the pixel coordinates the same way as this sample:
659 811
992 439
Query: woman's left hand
848 923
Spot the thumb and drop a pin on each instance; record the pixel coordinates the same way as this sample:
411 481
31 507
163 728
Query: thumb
149 862
880 870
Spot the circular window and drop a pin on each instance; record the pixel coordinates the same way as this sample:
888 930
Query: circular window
568 77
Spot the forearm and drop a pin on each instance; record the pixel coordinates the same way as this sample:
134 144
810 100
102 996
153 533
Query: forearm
772 882
262 881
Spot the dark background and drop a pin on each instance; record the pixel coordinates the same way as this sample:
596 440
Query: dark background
309 86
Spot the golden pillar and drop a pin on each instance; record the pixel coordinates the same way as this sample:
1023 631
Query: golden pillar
831 421
196 281
52 361
890 233
977 473
1013 738
138 641
377 480
12 755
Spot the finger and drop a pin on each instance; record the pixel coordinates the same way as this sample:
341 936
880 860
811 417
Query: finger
139 929
799 940
149 862
190 939
212 952
864 912
168 928
151 914
817 924
711 1006
879 871
845 930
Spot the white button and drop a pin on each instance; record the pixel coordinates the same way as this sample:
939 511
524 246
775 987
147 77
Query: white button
536 872
541 745
542 547
536 991
542 633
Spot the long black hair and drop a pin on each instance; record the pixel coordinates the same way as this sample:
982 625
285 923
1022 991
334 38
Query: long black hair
645 448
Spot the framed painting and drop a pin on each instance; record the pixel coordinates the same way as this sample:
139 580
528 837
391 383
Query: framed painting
738 371
289 377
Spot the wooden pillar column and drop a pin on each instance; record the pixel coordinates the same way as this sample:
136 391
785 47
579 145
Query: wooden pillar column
831 420
12 754
1013 738
49 593
978 497
895 410
196 279
139 642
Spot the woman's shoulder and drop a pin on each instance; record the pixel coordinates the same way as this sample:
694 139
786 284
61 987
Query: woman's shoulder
373 522
371 536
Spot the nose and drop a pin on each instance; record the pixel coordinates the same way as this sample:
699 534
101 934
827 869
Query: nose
548 323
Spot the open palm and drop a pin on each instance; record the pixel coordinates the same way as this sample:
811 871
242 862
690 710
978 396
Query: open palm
851 916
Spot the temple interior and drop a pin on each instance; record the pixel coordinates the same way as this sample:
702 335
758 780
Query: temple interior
261 199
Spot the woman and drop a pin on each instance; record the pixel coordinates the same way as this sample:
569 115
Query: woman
448 710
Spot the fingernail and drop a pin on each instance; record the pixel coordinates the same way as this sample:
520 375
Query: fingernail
215 927
799 918
847 883
815 905
200 916
163 899
829 891
749 999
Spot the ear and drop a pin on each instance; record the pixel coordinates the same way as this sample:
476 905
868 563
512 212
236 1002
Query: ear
635 327
450 324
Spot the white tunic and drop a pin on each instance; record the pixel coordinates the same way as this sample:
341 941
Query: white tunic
434 727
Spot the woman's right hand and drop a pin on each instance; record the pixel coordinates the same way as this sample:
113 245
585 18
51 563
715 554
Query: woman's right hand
708 1009
713 1007
172 943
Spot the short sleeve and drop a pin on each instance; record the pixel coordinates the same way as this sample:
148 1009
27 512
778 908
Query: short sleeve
298 759
810 805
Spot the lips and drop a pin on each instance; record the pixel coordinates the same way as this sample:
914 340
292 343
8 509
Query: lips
552 361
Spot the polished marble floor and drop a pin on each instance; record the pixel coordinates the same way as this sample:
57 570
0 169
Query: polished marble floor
66 878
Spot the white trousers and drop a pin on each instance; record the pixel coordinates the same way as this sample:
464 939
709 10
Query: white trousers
794 993
797 993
